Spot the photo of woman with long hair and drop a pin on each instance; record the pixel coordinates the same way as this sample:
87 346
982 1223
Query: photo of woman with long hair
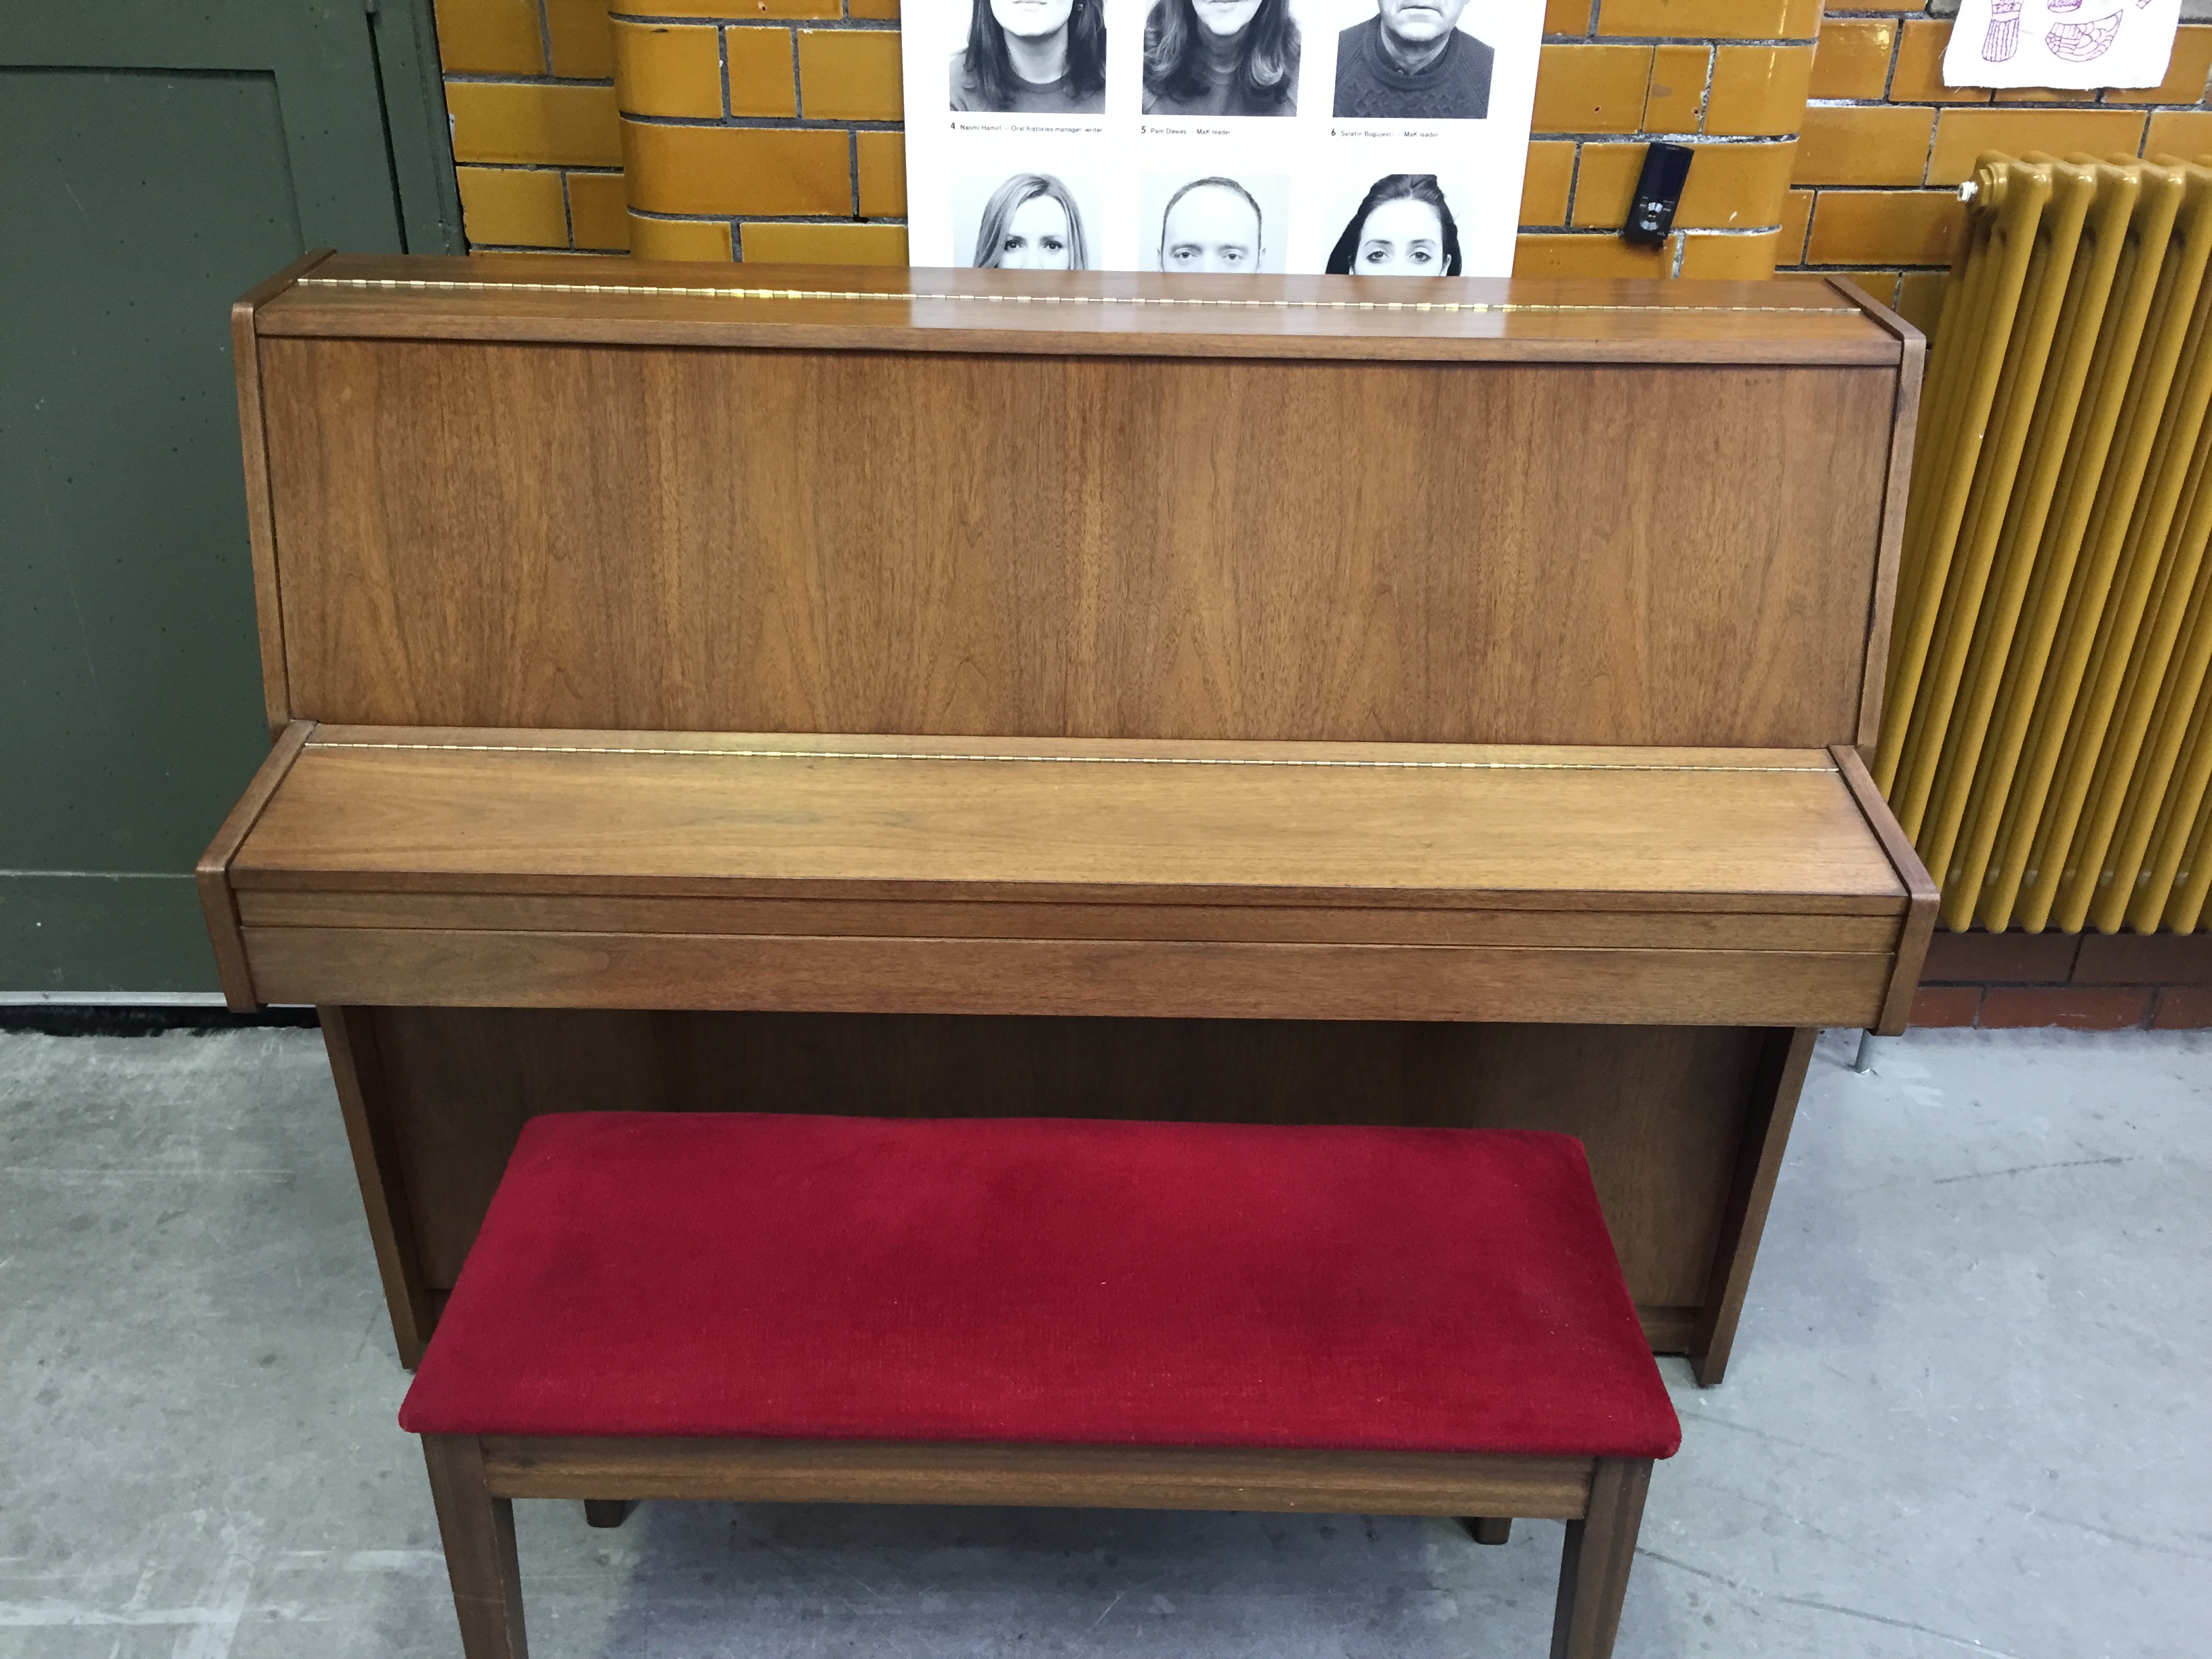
1034 57
1032 222
1403 227
1221 57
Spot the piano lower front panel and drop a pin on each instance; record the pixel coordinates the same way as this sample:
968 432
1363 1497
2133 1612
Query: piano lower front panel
1663 1110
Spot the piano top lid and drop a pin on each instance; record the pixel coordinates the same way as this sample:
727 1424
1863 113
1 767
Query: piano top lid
612 299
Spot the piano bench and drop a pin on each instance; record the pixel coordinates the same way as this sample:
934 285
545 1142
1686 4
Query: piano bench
1027 1311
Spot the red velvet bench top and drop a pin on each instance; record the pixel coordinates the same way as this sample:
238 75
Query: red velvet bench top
1058 1281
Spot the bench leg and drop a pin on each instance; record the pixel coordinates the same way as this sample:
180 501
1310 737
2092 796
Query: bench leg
606 1511
1593 1568
1489 1529
479 1530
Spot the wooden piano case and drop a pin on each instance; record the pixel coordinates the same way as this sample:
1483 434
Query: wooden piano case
1086 695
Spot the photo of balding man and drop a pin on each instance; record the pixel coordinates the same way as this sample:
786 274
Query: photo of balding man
1412 62
1214 224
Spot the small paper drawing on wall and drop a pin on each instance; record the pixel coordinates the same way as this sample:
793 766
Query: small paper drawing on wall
2003 38
2077 43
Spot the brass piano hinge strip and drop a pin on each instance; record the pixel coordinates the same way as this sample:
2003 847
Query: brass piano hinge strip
1063 760
441 285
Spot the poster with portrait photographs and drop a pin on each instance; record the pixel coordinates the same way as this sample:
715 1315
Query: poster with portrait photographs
1371 137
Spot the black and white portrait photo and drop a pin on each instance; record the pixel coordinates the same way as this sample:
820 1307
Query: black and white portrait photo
1412 62
1402 227
1032 222
1032 57
1217 224
1169 136
1221 57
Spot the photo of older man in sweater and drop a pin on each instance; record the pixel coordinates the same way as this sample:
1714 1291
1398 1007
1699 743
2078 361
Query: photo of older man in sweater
1411 62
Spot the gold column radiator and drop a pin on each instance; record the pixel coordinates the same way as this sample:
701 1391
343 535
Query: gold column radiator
2046 741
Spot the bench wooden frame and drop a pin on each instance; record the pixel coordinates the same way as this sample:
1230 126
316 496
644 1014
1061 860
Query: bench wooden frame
475 1480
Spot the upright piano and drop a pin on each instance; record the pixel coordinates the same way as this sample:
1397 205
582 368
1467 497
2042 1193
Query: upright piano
1268 699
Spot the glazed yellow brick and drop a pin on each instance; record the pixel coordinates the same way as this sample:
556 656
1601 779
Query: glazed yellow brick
1546 183
2184 133
1852 60
1736 187
512 207
1796 220
598 214
1758 91
1675 101
1739 258
1918 77
1729 187
678 238
714 172
583 43
1582 89
849 75
1566 16
1871 144
668 69
1566 255
1878 285
883 174
1885 226
762 79
491 36
2186 73
1718 20
1961 134
750 11
546 126
888 9
1920 299
822 244
1605 179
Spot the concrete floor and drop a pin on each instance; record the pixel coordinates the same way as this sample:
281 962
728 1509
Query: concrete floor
1969 1412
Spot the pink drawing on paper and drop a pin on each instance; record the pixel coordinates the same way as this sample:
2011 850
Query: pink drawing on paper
2003 38
2081 42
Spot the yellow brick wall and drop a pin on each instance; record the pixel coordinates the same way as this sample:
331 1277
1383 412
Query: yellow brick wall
530 86
1885 144
769 130
1727 76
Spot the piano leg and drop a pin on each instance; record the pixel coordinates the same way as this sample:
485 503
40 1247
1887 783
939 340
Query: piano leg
1759 1160
349 1036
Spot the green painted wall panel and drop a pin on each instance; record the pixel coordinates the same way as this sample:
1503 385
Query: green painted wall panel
102 932
159 160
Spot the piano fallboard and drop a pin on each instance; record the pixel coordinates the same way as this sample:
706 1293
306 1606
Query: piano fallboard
533 868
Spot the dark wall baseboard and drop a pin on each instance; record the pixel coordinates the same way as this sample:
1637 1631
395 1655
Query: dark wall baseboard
141 1020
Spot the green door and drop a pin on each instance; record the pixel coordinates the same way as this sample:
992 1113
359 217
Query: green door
160 158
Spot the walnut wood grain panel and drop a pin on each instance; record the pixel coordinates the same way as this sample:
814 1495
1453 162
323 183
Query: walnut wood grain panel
1250 924
1073 546
1131 978
1661 1109
1090 1477
1919 924
638 302
211 875
734 825
1904 424
246 365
